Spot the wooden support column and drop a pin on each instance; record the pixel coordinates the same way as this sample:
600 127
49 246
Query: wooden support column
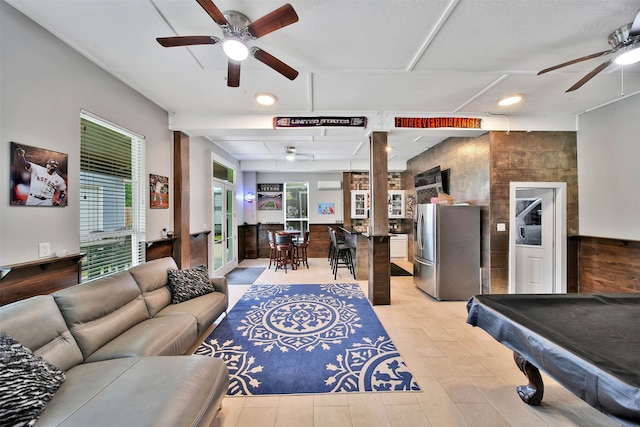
379 267
182 248
346 199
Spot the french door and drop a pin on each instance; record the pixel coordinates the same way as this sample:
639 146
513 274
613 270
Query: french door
224 235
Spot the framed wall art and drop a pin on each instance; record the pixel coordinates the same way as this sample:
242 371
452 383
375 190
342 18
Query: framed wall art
158 192
326 208
38 177
268 201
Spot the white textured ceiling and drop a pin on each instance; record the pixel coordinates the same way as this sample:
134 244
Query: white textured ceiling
373 58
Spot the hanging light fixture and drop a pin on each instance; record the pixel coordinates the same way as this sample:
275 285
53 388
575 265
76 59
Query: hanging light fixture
290 153
235 36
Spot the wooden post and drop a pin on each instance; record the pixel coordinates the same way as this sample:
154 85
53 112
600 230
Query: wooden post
182 248
379 266
346 199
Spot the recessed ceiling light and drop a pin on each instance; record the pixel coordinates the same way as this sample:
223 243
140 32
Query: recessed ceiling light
511 99
264 98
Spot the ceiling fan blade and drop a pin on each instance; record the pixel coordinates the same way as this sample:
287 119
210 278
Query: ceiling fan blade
635 27
233 74
213 11
575 61
591 75
187 40
281 17
274 63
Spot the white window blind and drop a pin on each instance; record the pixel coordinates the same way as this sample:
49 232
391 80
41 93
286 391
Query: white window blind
112 198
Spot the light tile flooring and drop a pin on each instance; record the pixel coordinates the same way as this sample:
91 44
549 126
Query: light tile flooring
467 378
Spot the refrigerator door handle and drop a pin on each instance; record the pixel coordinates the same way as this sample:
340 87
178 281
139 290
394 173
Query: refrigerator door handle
425 262
420 232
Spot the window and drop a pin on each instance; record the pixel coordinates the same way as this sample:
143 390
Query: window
112 198
223 173
529 221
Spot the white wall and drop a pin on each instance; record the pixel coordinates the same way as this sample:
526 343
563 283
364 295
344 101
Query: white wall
609 171
315 196
45 84
249 211
200 165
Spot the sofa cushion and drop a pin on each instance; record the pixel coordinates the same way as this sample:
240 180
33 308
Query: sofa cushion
37 323
133 391
190 283
206 309
160 336
97 312
27 381
153 278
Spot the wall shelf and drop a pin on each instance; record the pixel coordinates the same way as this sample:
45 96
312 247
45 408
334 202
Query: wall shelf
43 263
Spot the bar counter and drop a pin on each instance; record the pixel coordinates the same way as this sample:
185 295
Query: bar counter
359 251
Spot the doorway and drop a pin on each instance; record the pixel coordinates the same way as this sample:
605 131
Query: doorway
223 196
537 237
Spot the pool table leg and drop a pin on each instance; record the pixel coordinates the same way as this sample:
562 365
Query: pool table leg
531 393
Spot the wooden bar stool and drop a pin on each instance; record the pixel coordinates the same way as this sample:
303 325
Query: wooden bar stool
301 250
272 247
285 252
341 256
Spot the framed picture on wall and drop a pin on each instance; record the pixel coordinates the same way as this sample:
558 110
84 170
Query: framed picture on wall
158 192
38 177
268 201
326 208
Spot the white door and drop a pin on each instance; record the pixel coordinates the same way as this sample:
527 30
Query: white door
535 240
224 236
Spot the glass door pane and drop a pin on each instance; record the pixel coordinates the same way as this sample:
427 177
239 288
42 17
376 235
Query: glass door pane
296 205
224 235
218 247
230 234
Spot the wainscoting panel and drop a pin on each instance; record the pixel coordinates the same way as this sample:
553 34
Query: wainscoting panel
609 265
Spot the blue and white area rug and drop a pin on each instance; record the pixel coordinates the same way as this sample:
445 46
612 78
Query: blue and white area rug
291 339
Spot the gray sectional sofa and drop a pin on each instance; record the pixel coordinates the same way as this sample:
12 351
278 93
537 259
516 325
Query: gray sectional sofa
121 344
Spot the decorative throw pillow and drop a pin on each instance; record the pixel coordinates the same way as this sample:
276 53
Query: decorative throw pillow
27 383
190 283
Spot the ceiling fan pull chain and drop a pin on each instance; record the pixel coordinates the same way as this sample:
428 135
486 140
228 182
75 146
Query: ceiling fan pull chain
621 81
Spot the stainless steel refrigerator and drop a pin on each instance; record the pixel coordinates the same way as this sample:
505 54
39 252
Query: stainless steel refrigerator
446 251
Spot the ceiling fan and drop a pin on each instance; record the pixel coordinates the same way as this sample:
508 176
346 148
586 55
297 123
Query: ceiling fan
625 40
292 154
238 30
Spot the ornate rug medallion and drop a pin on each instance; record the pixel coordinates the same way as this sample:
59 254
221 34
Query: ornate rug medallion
281 339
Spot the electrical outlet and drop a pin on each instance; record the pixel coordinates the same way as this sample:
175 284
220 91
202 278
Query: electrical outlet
44 249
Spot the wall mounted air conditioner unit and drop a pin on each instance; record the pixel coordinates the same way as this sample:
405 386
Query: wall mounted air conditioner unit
329 185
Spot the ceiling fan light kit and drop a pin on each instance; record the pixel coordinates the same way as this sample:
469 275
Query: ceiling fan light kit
292 154
631 56
510 99
238 31
235 49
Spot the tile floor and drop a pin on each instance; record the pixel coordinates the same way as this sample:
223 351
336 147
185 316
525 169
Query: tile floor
467 378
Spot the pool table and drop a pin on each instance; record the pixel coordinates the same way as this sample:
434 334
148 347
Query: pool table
589 343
